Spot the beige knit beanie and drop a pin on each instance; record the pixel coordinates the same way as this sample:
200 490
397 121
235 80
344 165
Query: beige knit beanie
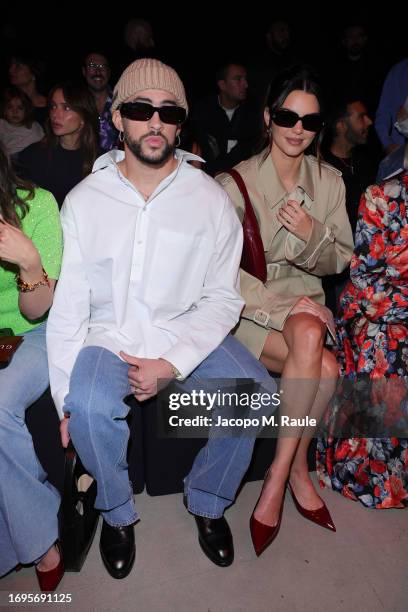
148 73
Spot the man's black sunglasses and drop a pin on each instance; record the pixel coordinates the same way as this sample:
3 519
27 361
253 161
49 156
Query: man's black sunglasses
287 118
141 111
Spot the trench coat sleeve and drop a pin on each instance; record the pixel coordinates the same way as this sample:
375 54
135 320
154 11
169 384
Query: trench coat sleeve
264 307
330 245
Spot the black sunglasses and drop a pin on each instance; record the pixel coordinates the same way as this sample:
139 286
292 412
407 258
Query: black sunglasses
287 118
141 111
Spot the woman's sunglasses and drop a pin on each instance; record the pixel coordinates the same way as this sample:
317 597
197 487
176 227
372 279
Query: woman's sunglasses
141 111
287 118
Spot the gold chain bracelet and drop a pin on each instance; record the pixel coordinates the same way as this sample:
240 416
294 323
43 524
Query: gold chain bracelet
24 287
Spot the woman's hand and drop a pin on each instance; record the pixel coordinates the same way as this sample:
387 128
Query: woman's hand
307 305
17 248
295 220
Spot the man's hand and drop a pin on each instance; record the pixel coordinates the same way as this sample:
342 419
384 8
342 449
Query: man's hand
144 373
65 437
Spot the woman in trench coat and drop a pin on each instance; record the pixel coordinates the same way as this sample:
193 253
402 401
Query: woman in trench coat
299 203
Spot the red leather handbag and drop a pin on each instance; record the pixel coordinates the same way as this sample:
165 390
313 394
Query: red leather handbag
253 254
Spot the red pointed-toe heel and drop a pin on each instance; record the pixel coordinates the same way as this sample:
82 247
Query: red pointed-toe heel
321 516
50 579
263 535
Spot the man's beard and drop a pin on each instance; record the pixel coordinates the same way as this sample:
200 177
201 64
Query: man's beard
356 138
153 159
97 87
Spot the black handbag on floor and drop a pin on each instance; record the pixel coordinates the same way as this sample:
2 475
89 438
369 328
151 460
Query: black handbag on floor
78 517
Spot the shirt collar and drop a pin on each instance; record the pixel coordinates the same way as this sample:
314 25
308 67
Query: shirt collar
272 185
111 158
227 109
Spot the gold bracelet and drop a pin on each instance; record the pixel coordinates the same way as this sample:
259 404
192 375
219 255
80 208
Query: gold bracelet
24 287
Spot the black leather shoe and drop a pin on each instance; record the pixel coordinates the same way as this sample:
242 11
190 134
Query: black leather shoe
118 551
215 538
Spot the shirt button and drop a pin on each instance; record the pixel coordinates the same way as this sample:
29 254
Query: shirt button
140 242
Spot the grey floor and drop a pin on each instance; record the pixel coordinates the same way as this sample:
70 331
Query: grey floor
362 567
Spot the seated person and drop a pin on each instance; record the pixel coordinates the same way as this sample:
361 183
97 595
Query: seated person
17 128
372 337
30 247
68 152
224 125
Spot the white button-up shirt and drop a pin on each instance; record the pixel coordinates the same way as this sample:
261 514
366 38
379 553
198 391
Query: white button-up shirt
154 279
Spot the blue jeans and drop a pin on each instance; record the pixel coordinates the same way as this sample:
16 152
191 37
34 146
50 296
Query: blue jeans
28 503
99 384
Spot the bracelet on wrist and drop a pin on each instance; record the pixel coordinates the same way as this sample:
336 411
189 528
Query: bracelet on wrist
25 287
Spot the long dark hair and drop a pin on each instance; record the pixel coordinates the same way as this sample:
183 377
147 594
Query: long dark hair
11 203
298 78
80 99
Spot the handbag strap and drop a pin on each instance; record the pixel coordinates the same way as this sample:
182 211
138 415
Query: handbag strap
253 258
242 187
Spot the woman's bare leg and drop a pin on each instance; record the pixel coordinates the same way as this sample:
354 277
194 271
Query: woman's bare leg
49 560
297 353
299 473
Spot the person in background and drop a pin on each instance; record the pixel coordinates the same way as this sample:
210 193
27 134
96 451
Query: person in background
394 93
138 42
347 129
344 146
71 145
96 72
358 71
396 161
17 128
280 52
24 72
224 125
30 259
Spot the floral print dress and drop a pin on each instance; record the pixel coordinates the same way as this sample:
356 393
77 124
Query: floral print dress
373 343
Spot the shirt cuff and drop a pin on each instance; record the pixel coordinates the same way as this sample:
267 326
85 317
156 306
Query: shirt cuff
183 358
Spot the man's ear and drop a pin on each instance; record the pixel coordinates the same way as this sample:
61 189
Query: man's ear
117 120
221 85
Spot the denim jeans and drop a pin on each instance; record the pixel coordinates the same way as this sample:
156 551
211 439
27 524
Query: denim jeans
98 386
28 503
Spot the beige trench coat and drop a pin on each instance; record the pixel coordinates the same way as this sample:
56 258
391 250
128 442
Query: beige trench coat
294 267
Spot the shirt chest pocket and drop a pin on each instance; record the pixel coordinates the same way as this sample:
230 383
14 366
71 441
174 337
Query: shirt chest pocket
100 278
175 268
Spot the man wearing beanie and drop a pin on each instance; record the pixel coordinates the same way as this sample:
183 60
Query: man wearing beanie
148 290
